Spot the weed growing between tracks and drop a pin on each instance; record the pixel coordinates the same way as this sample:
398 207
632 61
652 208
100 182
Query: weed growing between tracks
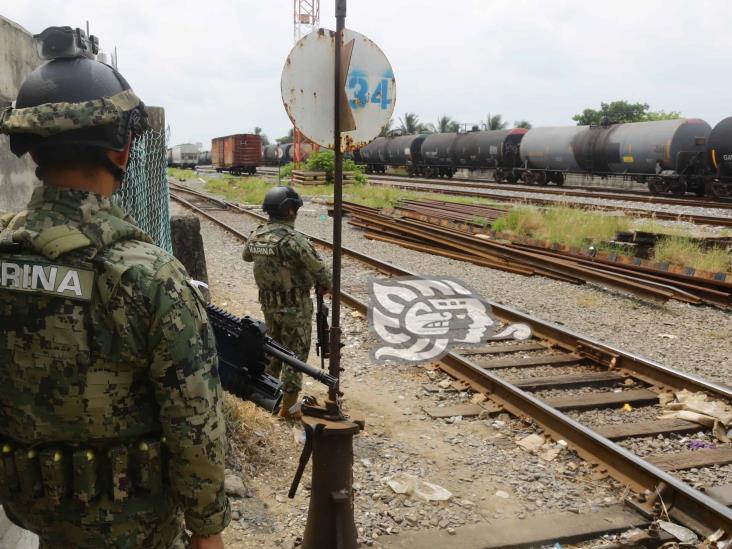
677 249
562 225
580 228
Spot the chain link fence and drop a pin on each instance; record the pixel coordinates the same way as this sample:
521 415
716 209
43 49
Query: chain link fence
144 192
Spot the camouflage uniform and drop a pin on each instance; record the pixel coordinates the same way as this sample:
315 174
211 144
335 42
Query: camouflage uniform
108 382
286 266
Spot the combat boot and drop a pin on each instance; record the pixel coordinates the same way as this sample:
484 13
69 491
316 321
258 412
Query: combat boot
288 401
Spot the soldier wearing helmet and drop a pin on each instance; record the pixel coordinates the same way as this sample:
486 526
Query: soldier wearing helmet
286 267
111 428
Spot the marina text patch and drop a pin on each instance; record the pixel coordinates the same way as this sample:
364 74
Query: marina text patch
46 278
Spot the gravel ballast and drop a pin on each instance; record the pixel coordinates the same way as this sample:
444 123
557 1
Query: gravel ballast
694 339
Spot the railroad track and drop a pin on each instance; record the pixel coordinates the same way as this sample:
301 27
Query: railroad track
459 190
608 193
442 228
559 379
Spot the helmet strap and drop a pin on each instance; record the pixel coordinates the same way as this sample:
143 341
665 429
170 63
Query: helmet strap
113 168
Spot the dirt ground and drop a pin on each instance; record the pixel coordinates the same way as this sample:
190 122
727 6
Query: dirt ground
476 459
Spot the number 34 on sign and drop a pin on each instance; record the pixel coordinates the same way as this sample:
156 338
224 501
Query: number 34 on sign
357 88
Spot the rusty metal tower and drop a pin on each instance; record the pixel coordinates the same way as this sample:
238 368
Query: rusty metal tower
306 18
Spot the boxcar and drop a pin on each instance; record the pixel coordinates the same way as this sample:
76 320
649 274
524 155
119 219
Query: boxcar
237 154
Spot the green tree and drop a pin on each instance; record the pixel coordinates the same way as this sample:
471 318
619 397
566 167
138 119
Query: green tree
289 138
495 122
387 130
620 112
445 124
262 136
522 124
410 124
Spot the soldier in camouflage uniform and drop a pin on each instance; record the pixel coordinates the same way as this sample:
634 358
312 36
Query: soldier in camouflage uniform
286 267
111 427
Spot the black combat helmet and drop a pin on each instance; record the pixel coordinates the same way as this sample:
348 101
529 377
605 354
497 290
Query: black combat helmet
279 200
76 80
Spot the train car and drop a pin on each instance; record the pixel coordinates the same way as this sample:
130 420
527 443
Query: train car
719 160
373 155
405 150
497 149
437 157
184 155
547 153
237 154
286 152
204 158
669 155
270 155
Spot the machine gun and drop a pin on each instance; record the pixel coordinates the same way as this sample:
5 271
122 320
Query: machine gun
322 347
243 347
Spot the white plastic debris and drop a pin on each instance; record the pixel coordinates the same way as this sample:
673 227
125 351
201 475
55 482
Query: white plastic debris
298 434
699 408
404 483
502 494
684 535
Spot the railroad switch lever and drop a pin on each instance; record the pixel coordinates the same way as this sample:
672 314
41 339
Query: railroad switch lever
329 441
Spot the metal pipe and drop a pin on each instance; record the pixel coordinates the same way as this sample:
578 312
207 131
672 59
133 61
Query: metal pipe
335 330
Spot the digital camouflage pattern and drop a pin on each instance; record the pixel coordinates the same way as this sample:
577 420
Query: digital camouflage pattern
126 379
286 267
52 118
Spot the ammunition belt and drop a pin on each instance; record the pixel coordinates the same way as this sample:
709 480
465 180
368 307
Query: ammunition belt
60 472
284 298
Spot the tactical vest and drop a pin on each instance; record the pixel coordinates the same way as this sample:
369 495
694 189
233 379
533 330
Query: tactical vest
279 280
77 413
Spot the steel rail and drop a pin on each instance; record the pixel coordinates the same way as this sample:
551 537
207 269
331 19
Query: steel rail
693 218
581 192
684 503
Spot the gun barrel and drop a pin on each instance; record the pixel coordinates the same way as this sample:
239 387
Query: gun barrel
320 375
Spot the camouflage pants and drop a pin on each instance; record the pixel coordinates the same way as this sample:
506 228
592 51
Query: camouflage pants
290 326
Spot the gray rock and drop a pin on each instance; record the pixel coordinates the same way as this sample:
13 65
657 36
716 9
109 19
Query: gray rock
234 486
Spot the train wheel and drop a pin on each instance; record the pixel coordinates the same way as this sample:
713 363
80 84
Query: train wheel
512 177
541 179
450 173
678 187
528 178
656 185
558 179
720 190
499 175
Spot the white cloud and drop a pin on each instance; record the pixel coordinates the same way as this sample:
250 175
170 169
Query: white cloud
215 66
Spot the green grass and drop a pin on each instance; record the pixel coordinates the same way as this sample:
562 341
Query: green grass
562 225
251 190
180 174
680 250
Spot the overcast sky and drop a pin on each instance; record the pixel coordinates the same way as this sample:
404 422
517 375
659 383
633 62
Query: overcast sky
215 66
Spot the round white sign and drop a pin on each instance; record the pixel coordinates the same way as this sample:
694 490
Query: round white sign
308 91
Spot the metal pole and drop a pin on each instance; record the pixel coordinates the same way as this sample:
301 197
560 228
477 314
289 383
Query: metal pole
335 330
